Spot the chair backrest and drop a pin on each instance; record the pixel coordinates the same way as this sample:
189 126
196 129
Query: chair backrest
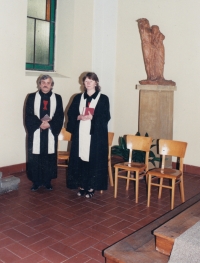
140 143
172 148
110 140
64 135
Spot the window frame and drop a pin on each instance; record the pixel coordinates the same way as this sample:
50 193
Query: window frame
50 66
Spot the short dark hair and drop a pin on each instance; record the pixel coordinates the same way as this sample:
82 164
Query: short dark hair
93 76
43 77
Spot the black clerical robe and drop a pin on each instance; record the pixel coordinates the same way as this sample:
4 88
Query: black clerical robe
98 157
42 167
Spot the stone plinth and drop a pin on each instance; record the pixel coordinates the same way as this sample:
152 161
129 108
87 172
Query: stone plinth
156 114
156 111
8 183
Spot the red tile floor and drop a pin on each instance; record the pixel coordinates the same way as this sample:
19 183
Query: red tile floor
58 226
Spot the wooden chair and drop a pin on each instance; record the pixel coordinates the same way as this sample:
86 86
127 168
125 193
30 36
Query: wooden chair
170 148
134 142
63 155
110 140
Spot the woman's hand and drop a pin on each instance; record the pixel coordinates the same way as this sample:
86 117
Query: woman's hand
85 117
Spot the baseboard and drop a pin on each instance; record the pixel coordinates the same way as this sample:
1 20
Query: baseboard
11 169
17 168
189 168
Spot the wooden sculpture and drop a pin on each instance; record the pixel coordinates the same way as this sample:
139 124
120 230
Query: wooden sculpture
153 53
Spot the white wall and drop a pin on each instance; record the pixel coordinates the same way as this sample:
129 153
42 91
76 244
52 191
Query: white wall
104 48
112 29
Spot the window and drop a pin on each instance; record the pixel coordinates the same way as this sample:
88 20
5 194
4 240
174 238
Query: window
40 35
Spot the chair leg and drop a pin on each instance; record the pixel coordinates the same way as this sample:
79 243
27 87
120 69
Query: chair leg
128 180
136 187
146 177
149 190
173 193
110 173
160 188
116 182
182 190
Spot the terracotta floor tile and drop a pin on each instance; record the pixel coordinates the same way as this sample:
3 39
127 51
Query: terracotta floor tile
82 245
31 214
14 234
46 242
94 233
83 225
103 229
19 250
26 230
52 255
33 258
64 250
21 218
28 241
5 219
81 257
114 238
121 225
94 253
100 246
8 257
94 261
68 231
9 225
111 221
71 240
38 221
2 236
54 234
46 225
6 242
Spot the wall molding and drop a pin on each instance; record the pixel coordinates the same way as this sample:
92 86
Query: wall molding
17 168
12 169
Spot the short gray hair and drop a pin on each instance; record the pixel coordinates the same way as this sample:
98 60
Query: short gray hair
43 77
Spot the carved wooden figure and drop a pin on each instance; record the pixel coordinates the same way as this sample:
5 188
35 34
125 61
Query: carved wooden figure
153 53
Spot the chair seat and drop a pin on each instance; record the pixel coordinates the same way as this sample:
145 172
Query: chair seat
131 166
166 172
63 155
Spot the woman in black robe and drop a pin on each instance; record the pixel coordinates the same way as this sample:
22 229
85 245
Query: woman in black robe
88 163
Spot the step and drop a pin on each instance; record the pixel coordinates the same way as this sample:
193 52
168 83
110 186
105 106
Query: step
166 234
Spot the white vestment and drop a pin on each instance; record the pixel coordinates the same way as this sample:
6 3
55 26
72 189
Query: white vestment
84 129
36 136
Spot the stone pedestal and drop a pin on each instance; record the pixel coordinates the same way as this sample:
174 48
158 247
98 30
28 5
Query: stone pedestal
8 183
156 111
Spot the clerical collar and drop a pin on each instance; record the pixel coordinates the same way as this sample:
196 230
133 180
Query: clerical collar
45 94
94 95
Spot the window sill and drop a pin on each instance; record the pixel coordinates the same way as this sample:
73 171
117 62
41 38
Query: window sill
32 73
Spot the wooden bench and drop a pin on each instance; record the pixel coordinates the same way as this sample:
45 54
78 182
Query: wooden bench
166 234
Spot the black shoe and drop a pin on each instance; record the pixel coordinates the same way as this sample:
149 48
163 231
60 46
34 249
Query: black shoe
90 193
49 187
35 187
81 192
